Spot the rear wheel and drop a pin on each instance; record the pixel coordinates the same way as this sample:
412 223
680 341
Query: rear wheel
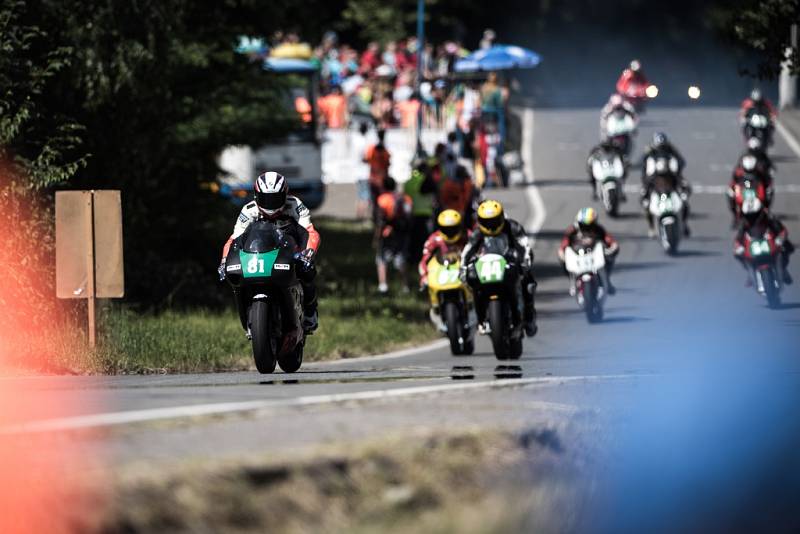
515 348
265 348
498 322
292 361
454 329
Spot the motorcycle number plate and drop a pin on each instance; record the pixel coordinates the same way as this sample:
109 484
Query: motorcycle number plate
491 268
447 277
760 247
258 264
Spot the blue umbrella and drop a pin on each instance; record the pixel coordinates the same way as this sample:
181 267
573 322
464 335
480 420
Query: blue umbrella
499 57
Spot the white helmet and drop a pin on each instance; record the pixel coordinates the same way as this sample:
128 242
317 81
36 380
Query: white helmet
271 190
749 162
635 65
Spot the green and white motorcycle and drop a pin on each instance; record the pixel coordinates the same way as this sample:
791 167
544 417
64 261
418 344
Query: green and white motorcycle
498 296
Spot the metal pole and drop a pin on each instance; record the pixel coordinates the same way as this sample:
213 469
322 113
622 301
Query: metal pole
90 268
420 53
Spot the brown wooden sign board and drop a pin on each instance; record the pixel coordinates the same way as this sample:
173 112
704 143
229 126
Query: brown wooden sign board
89 247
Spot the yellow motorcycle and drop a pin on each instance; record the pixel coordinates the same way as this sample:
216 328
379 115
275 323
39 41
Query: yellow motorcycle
452 306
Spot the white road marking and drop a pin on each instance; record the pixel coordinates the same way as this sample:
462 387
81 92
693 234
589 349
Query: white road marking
536 209
791 140
83 422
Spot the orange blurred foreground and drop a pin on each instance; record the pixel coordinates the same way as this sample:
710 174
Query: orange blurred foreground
45 478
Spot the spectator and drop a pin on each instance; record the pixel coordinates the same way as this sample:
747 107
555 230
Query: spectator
378 159
487 41
421 189
370 59
333 107
391 234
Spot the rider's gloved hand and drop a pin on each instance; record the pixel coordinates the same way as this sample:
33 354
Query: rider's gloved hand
221 270
305 259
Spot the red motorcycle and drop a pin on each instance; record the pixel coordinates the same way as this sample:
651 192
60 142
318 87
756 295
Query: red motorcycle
749 194
635 93
762 253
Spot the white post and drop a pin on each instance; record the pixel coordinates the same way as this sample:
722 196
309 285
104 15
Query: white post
787 85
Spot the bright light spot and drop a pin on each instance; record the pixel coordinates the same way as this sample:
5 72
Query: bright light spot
694 92
651 91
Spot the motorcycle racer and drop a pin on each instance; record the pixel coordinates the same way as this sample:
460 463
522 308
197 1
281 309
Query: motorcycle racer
273 203
752 163
492 222
605 149
632 76
449 237
761 221
756 103
661 147
615 102
587 227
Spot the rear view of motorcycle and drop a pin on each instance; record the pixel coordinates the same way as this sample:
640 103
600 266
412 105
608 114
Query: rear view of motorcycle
499 296
585 263
261 266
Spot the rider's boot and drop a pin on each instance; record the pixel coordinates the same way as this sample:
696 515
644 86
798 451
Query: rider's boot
310 316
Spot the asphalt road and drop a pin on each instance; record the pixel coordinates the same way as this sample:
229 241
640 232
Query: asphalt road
685 354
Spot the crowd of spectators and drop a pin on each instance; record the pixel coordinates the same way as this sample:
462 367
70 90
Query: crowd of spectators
378 84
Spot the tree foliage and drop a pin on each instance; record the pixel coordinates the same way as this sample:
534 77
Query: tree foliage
764 26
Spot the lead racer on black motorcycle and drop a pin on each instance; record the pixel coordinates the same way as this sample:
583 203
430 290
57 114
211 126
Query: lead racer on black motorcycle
273 203
492 222
661 147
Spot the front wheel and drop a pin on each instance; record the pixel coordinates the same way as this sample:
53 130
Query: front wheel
265 348
611 201
498 322
455 332
770 288
670 237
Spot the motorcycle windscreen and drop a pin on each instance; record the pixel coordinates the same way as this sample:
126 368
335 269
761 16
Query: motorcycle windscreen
261 236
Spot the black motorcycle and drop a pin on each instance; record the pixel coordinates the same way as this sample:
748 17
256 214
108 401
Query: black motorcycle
498 295
262 267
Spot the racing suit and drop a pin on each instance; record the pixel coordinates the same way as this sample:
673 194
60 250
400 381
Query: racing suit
764 106
683 187
610 108
601 152
595 233
764 171
294 215
628 79
765 221
435 244
521 246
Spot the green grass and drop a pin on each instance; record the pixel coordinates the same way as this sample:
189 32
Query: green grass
354 319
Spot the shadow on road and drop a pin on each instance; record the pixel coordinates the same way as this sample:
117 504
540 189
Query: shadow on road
624 319
697 253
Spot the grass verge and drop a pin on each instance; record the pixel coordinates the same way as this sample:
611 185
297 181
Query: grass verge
471 482
354 320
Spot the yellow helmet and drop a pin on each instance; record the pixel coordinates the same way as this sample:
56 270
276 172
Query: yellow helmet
491 218
449 225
